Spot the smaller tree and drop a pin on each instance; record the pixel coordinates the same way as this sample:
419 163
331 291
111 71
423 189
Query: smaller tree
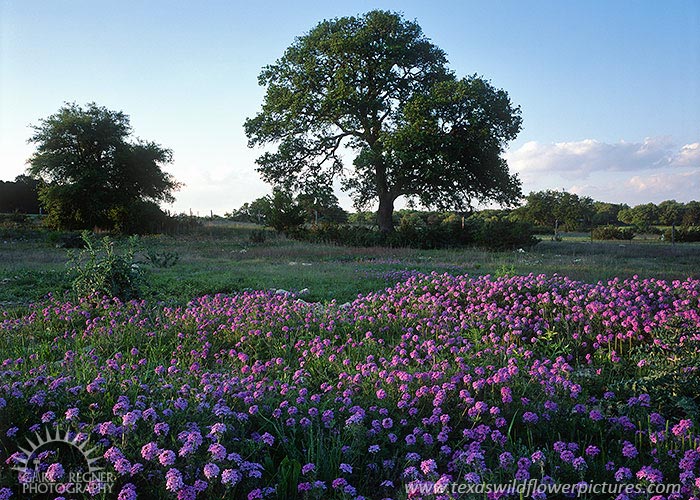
92 173
320 204
282 212
606 213
691 214
671 212
259 209
642 217
557 208
241 214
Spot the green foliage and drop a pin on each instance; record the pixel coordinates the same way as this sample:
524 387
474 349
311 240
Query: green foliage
93 175
671 212
505 270
139 217
162 260
429 231
375 85
363 218
320 204
683 234
314 205
664 376
504 235
288 473
250 212
340 234
606 213
282 212
610 232
550 208
67 240
14 220
642 217
101 270
573 213
691 214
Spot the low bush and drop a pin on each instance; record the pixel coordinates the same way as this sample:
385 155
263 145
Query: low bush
612 233
430 232
162 260
685 234
258 236
505 235
15 220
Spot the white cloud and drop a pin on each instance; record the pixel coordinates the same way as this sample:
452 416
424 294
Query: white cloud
655 169
580 159
666 185
689 155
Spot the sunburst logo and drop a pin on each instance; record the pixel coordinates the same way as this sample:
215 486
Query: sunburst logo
88 478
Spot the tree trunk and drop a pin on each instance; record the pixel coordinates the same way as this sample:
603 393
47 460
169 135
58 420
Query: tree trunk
385 213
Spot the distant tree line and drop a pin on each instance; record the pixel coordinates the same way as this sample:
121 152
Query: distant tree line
19 196
283 211
545 210
320 218
548 210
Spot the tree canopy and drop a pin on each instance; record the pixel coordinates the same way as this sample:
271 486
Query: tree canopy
93 174
557 208
375 86
642 217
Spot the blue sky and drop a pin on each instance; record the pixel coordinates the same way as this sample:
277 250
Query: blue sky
609 90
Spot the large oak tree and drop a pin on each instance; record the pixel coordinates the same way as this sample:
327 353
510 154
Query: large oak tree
376 87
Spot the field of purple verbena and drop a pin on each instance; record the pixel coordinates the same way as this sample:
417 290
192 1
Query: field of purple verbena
439 378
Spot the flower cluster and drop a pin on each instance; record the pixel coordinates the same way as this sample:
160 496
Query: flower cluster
439 378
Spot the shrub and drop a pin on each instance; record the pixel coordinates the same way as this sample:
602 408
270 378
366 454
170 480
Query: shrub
685 234
100 269
258 236
610 232
283 213
15 220
433 231
162 260
502 234
338 234
139 218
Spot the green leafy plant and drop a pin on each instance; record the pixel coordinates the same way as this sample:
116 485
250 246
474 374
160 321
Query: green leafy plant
505 270
288 473
101 269
162 260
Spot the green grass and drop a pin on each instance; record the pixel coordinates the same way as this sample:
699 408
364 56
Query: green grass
221 257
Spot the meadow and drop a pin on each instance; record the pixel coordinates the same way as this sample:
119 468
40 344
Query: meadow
281 369
223 257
